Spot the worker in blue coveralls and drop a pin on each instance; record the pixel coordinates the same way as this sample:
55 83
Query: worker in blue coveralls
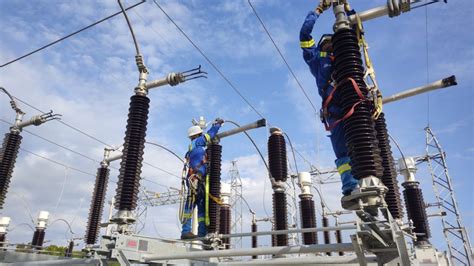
196 176
320 60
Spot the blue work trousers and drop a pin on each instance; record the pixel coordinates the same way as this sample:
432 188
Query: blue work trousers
343 161
199 201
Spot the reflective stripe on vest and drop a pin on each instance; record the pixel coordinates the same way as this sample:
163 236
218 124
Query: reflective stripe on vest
307 44
323 54
344 168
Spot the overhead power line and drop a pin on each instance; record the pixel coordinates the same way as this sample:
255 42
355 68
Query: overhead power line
209 61
54 143
66 124
283 57
81 132
69 35
58 163
221 73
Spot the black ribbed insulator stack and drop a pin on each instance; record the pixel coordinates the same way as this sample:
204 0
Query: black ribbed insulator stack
389 178
8 154
308 220
38 238
339 240
225 223
327 236
277 157
97 205
416 211
280 217
359 128
68 252
134 144
279 171
254 238
214 156
3 238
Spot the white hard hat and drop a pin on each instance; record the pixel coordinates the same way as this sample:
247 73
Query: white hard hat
194 130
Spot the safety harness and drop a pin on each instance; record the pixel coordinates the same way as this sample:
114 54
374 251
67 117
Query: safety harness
328 100
369 72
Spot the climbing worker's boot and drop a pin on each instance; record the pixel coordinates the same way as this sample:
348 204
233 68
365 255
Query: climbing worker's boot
188 235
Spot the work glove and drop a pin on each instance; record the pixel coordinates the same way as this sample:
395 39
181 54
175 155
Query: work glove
219 121
323 5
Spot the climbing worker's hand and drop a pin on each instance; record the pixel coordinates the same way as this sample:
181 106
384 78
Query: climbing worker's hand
323 5
219 121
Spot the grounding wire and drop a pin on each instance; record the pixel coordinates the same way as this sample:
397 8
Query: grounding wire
283 57
82 132
263 159
52 142
16 225
23 200
292 152
168 150
69 35
254 144
66 124
62 188
137 48
400 150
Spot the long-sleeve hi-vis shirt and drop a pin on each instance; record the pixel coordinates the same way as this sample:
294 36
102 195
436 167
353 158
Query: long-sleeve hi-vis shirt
320 63
196 154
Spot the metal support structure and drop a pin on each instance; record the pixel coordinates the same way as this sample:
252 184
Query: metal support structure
252 252
457 239
440 84
154 199
236 203
12 142
393 8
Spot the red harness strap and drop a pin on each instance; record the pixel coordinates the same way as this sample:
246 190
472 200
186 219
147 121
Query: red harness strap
330 127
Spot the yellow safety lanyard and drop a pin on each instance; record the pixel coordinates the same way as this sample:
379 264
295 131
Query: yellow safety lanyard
374 89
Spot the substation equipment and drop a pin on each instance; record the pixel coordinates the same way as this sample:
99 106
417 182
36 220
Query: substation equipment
12 142
378 235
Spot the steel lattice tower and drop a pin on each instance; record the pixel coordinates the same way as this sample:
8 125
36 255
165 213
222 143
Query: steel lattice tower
455 233
236 202
141 212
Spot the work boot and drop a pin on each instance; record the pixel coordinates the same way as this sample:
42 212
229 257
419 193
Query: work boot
188 235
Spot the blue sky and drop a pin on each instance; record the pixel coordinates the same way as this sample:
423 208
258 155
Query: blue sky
90 77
